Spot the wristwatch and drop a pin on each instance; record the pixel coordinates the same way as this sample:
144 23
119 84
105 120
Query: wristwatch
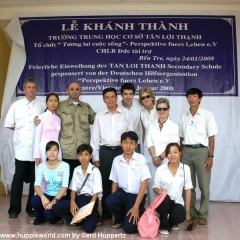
211 156
153 156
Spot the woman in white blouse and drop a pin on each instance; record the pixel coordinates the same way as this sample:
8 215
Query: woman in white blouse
161 132
173 178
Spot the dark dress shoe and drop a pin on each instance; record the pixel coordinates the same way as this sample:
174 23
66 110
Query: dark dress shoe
31 213
13 215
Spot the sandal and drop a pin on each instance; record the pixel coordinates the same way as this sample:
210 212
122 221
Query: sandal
117 225
193 223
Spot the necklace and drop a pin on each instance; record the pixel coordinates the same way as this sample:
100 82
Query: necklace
161 124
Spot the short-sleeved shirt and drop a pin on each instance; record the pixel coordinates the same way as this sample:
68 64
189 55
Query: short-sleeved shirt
93 184
135 113
129 176
198 128
160 139
55 178
173 184
75 128
20 116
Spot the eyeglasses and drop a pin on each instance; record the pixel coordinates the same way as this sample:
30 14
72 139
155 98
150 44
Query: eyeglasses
147 96
162 109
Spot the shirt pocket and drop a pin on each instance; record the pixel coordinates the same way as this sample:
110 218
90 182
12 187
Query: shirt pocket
200 128
20 121
121 127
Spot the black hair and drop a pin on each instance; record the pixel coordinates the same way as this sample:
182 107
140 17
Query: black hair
128 86
84 147
192 91
52 144
49 95
167 149
109 89
131 135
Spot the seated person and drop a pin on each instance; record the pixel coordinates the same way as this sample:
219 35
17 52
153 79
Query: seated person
172 178
82 194
130 176
55 173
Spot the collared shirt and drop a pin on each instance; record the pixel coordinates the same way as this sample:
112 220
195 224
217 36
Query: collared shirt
160 139
108 128
55 178
20 116
173 184
75 128
93 184
198 128
147 118
47 130
135 112
129 176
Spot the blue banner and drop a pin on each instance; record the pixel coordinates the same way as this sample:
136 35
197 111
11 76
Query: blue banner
168 53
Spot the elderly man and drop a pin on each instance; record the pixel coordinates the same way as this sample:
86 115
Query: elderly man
20 119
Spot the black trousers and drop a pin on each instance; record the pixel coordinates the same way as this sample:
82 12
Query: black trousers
106 158
176 211
24 172
73 163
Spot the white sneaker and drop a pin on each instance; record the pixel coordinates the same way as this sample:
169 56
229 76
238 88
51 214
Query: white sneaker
175 227
164 232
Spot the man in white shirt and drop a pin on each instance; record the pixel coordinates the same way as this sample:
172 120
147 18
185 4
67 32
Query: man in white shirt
20 119
197 136
134 107
108 126
130 176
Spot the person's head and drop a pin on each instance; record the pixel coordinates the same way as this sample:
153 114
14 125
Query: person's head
127 92
194 97
84 152
129 142
162 107
30 88
52 150
110 97
146 97
173 152
52 101
74 91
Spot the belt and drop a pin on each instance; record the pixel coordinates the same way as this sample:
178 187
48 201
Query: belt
195 146
113 148
86 194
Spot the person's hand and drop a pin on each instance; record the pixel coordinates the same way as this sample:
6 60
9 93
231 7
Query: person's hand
97 163
188 217
49 206
45 201
209 164
73 208
134 214
38 161
36 121
161 190
156 161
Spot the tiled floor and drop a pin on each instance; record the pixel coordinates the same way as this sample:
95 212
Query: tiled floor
223 224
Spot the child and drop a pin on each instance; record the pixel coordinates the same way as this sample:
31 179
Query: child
55 173
172 178
130 176
81 194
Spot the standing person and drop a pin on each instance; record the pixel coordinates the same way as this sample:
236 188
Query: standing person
173 178
48 129
108 126
197 136
56 174
82 194
135 109
20 119
161 132
130 176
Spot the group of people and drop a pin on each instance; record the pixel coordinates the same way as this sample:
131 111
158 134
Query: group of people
107 162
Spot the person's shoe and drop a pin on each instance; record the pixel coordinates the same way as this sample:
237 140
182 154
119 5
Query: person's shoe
31 213
13 215
164 232
193 223
60 221
175 227
100 221
117 225
202 221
